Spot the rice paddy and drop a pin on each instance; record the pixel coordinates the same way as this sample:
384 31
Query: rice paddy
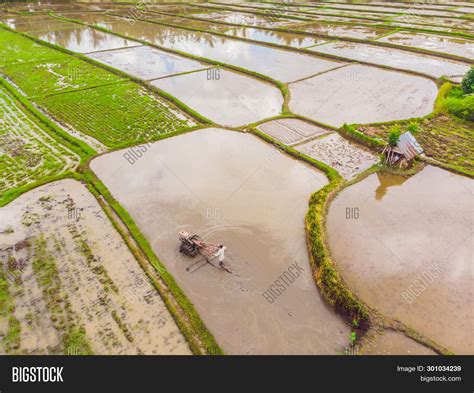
28 153
261 126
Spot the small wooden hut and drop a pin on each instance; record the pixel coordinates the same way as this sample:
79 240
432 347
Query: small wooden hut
407 149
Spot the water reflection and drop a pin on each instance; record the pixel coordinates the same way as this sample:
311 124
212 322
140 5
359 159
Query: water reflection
386 181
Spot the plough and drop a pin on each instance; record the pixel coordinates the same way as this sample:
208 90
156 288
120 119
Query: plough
191 245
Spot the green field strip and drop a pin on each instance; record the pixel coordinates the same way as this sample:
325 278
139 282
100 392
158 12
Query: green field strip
29 153
56 76
116 115
16 50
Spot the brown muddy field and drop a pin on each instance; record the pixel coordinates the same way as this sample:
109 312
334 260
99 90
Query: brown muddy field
348 158
232 188
409 252
100 287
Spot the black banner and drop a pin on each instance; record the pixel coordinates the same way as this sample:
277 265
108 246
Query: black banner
320 373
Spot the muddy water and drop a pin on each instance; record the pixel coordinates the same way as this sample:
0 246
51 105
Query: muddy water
390 10
273 37
245 18
407 229
428 65
339 30
226 186
36 23
444 22
83 39
227 98
193 23
147 63
362 94
100 19
454 46
281 65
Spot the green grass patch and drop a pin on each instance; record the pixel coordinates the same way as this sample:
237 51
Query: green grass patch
12 339
459 104
57 75
75 342
63 318
28 152
116 115
16 49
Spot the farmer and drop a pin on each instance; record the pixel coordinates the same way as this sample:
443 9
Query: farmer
220 254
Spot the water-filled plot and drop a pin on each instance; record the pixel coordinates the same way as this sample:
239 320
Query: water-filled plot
232 188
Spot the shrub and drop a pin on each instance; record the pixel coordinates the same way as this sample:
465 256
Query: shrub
394 135
413 127
461 107
467 83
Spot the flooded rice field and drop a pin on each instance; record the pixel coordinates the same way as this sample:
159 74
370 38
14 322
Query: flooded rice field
340 30
450 45
274 37
428 65
245 19
160 85
227 186
389 10
83 39
36 23
71 272
439 24
148 63
279 64
409 253
362 94
100 19
227 98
